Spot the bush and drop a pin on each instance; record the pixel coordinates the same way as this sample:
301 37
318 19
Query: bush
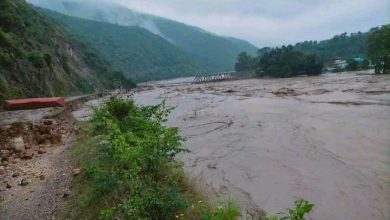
5 59
136 161
302 207
36 59
48 59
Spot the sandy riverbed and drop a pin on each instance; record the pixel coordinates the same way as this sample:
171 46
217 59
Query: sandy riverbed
268 142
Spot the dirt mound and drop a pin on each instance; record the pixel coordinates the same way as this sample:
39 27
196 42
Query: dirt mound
23 141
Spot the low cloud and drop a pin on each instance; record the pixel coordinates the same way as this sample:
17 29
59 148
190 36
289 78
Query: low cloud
274 22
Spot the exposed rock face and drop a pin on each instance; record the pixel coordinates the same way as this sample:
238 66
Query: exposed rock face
18 144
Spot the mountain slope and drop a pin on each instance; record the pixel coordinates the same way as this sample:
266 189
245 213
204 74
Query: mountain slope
343 45
138 52
213 52
39 59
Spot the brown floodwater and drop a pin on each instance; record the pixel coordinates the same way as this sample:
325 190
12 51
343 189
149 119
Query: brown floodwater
267 142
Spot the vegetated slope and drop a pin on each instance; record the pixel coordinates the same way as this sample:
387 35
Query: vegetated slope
343 45
39 59
134 50
215 53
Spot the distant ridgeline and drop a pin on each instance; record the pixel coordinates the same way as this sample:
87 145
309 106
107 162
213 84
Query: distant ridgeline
343 52
37 58
145 47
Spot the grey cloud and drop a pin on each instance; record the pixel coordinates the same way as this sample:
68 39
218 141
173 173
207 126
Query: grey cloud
274 22
267 23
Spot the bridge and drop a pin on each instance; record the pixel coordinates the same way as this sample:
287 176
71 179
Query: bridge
224 76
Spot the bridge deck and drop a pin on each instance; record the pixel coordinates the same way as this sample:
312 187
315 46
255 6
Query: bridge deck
222 77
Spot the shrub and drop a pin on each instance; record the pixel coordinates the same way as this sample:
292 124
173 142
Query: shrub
136 161
302 207
36 59
48 59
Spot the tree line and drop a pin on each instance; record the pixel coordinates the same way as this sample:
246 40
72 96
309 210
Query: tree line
279 62
307 58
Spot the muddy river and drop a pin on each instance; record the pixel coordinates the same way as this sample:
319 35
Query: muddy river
267 142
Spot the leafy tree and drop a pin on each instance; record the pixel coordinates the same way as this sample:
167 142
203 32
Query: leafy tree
286 62
352 65
379 48
245 62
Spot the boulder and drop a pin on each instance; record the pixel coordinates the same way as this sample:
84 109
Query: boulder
56 138
5 154
48 122
76 171
24 182
28 155
41 151
17 144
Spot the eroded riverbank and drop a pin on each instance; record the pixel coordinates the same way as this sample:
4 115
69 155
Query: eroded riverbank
270 141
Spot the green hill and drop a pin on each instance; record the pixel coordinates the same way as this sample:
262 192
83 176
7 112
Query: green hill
37 58
134 50
210 51
343 45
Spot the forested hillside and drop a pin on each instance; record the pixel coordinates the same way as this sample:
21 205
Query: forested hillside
139 53
379 48
39 59
212 52
343 45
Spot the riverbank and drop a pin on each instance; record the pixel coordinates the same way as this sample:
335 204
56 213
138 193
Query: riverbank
270 141
266 142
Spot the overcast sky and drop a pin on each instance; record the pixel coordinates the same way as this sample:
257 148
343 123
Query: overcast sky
271 22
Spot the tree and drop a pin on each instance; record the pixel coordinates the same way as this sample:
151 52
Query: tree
245 62
379 48
352 65
287 62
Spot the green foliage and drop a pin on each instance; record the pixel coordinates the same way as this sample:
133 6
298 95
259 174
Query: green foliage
132 50
246 62
30 43
48 59
36 59
352 65
379 48
286 62
138 156
302 207
343 45
230 211
172 50
130 171
5 60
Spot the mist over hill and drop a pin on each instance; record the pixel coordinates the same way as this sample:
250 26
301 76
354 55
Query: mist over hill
139 53
210 51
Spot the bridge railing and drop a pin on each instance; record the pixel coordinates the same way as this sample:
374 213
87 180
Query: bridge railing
223 76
